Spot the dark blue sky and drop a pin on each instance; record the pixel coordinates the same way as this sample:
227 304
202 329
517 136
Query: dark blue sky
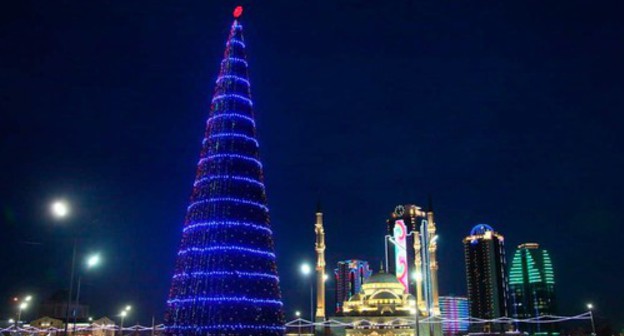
508 113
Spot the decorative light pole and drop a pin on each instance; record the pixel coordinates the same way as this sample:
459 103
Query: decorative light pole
91 261
21 307
417 279
123 315
60 210
298 314
591 316
306 270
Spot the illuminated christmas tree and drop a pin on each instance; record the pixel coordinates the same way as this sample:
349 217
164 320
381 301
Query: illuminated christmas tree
225 280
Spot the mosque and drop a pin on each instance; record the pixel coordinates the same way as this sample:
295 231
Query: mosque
387 302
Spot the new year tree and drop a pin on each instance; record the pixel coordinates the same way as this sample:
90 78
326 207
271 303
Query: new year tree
225 280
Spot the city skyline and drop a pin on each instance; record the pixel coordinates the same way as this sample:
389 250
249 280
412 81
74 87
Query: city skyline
107 118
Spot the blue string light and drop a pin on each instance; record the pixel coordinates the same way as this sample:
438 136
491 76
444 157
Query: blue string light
226 274
228 177
232 327
230 156
235 41
226 248
194 226
231 115
231 135
229 199
235 60
233 77
232 96
226 299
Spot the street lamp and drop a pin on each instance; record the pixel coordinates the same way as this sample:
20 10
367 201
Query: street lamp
591 316
91 262
418 278
60 210
21 306
123 315
298 314
306 270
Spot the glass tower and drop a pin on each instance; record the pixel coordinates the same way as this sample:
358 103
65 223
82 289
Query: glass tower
532 284
484 252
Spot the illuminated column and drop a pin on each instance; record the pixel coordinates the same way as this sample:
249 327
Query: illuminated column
320 265
418 272
433 263
414 213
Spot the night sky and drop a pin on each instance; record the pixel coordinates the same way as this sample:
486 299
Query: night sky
507 113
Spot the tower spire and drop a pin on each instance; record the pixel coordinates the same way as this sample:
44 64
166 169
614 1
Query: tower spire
225 280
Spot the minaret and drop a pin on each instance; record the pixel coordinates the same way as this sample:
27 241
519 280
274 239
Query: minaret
433 262
320 264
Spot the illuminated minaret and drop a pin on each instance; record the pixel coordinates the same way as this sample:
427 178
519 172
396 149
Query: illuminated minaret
320 264
433 262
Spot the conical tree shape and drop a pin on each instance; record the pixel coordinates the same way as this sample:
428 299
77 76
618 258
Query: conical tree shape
225 280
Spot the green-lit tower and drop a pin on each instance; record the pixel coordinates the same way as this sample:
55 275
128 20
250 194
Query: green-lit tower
532 285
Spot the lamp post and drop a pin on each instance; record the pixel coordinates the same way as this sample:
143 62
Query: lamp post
298 314
417 278
123 315
306 270
60 210
21 306
591 316
91 261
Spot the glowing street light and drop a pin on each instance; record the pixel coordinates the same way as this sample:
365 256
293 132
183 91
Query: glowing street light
123 315
60 209
21 306
591 315
306 270
298 314
90 262
93 260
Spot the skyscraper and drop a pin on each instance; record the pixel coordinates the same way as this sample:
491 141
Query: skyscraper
411 254
484 252
453 309
225 280
531 283
350 275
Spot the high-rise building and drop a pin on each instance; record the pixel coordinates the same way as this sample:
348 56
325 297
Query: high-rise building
531 284
453 309
411 254
484 252
350 276
225 280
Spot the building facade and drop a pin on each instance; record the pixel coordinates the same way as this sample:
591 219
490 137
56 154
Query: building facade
350 276
531 284
484 252
411 254
454 308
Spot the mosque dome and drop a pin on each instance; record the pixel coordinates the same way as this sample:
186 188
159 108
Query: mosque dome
380 278
480 229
